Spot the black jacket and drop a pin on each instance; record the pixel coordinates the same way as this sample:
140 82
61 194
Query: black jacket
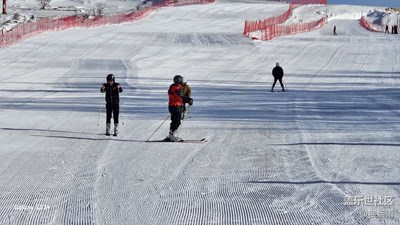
112 93
277 72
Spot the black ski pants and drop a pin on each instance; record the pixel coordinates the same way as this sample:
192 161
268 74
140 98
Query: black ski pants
280 81
112 110
176 116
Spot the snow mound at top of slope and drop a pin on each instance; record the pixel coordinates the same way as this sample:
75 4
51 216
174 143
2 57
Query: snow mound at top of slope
383 17
378 16
308 13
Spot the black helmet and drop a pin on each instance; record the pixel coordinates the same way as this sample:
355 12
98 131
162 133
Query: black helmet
178 79
110 77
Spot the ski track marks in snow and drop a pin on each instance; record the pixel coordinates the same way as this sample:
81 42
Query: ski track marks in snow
51 184
271 158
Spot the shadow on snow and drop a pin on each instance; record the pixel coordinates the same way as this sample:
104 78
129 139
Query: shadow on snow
346 103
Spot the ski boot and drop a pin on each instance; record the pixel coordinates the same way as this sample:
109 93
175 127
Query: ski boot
108 127
115 129
173 136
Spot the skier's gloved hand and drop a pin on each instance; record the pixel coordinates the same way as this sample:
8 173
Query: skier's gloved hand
179 92
190 101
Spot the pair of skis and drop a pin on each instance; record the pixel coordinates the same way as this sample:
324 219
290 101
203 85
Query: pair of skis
181 141
185 115
168 140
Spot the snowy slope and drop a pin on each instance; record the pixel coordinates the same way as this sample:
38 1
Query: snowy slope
270 158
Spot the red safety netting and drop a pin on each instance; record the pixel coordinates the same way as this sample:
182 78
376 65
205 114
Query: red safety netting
281 29
303 2
273 26
367 25
44 25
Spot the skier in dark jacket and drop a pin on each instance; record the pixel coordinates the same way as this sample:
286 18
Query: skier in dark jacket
112 91
175 106
277 72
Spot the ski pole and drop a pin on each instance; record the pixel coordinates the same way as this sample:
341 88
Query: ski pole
98 118
179 128
187 113
284 85
184 116
158 128
120 112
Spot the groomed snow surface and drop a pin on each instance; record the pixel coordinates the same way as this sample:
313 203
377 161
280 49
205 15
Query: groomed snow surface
325 152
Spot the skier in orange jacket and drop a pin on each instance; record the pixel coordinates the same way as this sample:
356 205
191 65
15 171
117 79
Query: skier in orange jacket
176 104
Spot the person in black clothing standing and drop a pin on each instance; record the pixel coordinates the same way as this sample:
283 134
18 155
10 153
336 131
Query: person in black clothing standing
277 72
112 91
